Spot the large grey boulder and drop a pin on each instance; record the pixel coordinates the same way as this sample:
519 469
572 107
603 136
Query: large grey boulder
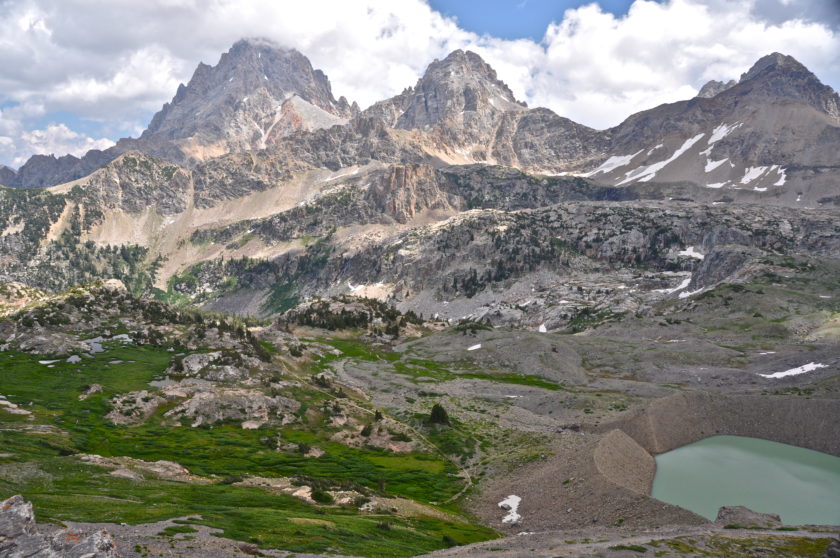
20 538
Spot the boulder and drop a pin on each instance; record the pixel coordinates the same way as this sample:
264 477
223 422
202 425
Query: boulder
745 517
20 538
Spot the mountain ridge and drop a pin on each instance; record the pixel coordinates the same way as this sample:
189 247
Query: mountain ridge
450 111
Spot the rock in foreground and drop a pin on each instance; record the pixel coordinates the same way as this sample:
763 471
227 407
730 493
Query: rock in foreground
19 537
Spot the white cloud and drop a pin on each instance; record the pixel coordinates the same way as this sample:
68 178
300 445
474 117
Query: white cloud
598 69
55 139
119 62
59 139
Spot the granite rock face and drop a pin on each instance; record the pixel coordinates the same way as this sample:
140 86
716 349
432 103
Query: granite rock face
257 92
833 550
21 538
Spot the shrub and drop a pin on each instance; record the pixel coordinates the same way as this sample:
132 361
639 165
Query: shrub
438 415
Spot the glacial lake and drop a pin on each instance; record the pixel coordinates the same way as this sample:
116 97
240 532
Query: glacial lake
801 485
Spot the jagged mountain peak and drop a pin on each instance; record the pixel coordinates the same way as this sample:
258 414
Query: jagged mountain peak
714 87
462 87
463 69
239 102
776 62
779 76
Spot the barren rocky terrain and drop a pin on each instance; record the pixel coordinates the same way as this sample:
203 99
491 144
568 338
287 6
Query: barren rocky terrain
446 324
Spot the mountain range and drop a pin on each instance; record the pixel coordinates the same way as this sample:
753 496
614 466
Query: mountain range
776 126
254 188
278 323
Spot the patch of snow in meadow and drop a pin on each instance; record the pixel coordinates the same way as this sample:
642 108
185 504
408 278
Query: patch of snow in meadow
474 347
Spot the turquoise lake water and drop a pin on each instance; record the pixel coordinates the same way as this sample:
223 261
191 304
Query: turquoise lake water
801 485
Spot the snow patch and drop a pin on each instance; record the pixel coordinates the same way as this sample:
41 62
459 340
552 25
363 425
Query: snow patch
646 173
542 329
716 185
690 293
613 163
511 505
722 131
810 367
685 282
691 253
782 177
712 165
474 347
752 173
654 148
47 361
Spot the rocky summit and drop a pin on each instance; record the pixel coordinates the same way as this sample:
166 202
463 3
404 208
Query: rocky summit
448 323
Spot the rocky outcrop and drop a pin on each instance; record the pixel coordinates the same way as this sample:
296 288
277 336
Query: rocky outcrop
745 517
249 407
833 550
713 87
408 190
21 538
134 407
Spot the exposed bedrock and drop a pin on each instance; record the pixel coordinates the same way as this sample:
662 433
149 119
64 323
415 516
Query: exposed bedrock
682 419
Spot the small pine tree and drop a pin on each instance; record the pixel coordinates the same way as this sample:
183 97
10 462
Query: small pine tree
438 415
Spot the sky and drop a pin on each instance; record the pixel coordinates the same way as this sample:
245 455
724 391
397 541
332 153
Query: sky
79 74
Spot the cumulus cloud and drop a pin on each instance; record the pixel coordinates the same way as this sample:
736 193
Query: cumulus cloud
119 62
58 138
